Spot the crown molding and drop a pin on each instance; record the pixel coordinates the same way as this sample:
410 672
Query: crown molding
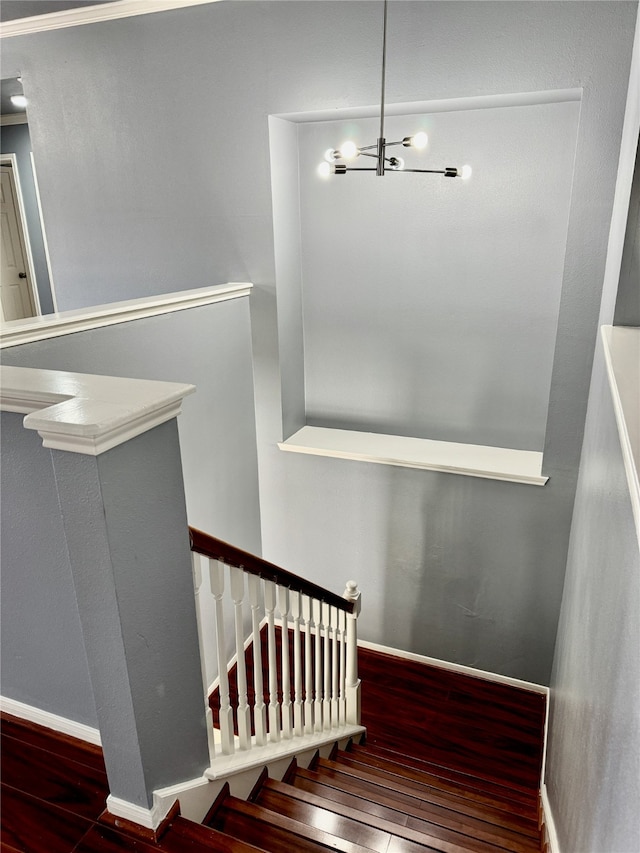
92 15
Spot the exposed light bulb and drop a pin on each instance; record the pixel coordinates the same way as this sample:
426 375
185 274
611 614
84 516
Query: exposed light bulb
419 140
18 100
331 155
348 150
324 169
396 163
466 172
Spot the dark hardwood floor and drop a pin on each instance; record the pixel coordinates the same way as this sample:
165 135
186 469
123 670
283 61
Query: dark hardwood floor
451 763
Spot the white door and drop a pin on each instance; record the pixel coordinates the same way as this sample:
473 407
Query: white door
15 287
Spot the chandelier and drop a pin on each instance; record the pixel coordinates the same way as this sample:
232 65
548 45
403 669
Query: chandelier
350 151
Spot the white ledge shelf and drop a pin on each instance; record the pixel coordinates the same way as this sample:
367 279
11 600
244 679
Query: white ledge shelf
32 329
622 359
83 413
470 460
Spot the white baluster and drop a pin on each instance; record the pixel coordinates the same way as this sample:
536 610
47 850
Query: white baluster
317 705
216 577
259 708
342 652
243 711
274 707
283 607
326 698
335 713
352 686
296 612
307 611
196 564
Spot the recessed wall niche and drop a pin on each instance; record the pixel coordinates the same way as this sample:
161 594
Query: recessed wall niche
417 305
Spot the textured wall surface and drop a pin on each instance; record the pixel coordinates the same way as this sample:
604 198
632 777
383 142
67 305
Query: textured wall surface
209 347
43 658
124 517
593 765
466 570
434 311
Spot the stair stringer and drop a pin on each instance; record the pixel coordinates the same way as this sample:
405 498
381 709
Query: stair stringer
243 769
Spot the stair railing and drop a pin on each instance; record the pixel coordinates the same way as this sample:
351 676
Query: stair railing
304 684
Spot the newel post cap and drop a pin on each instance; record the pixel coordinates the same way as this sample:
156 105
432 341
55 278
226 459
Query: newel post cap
352 593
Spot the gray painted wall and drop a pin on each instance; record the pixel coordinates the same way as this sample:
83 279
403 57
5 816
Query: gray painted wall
209 347
14 139
430 310
467 570
593 765
124 518
44 663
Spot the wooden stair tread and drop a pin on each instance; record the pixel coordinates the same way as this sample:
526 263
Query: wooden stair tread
467 786
31 825
513 792
392 822
185 833
76 787
423 817
429 799
272 797
276 832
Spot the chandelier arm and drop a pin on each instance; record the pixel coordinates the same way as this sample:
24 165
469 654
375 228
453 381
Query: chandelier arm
425 171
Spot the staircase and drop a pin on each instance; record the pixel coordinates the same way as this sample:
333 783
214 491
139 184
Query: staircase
451 762
465 780
372 799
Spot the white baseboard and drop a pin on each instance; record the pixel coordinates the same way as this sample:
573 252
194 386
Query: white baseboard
549 823
456 667
149 818
49 720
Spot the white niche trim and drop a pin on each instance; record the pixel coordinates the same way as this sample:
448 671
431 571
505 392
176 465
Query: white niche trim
471 460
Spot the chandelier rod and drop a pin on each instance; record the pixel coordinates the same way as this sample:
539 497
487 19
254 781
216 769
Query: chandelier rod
384 70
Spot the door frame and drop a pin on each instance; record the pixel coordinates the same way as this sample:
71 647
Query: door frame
12 161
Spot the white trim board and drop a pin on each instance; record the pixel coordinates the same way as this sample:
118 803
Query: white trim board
622 359
471 460
13 118
32 329
441 105
549 826
92 15
50 721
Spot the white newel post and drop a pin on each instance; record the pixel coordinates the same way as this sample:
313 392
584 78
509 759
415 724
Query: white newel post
352 593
